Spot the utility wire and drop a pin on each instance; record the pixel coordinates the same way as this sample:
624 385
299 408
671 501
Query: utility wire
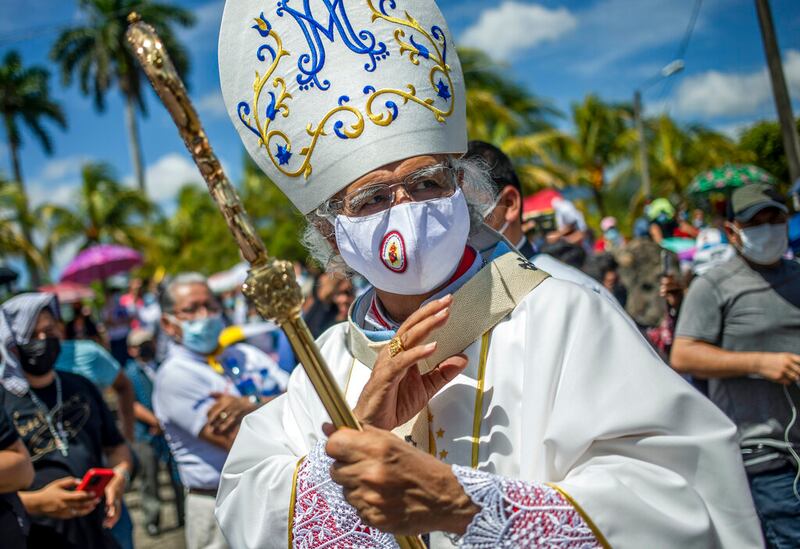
689 30
666 90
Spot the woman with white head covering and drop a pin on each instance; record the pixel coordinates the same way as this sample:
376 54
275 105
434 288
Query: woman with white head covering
65 426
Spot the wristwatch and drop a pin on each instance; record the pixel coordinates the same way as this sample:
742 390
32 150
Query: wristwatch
126 475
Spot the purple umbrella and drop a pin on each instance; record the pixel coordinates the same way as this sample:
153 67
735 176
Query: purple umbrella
100 262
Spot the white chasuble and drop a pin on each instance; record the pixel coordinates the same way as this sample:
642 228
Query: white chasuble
563 392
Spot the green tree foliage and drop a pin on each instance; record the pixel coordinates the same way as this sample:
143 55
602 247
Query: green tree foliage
14 215
497 106
764 140
104 211
678 153
193 238
97 54
277 220
506 114
196 238
602 138
25 101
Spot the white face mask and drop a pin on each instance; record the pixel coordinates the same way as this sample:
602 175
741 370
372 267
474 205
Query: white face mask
488 211
409 249
763 244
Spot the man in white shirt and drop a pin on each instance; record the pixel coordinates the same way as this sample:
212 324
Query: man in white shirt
198 404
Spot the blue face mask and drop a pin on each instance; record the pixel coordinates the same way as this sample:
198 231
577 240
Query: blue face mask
202 335
613 235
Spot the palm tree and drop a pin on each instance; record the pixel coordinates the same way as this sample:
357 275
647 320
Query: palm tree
496 103
508 115
106 211
14 216
677 154
603 137
98 54
25 101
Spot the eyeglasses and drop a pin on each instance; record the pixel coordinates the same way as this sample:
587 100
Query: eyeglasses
437 181
210 308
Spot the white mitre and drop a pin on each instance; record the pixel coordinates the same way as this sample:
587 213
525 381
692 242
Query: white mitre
325 91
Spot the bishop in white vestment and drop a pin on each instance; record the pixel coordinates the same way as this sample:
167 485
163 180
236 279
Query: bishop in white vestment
530 412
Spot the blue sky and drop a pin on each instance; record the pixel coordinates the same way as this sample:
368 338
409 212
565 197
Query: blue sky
560 49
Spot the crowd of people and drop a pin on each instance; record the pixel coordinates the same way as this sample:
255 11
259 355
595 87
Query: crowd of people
522 377
181 366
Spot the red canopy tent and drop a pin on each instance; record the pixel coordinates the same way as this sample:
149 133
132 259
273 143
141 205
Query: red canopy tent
540 203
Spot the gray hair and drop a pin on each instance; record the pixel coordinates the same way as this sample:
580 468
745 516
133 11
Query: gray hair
183 279
476 184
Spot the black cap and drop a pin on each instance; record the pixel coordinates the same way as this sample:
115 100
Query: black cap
500 166
747 201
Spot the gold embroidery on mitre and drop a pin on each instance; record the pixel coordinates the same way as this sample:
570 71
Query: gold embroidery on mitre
279 103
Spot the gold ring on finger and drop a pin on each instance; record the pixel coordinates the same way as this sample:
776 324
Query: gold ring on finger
395 346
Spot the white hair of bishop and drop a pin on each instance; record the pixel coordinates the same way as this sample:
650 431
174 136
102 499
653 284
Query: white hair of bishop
324 91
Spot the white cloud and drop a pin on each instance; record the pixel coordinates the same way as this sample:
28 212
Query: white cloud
611 31
715 93
57 181
168 174
734 129
60 168
212 105
513 27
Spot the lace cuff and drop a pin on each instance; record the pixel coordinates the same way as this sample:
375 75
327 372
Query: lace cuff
520 514
322 517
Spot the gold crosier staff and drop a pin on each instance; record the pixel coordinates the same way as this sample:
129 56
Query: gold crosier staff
271 283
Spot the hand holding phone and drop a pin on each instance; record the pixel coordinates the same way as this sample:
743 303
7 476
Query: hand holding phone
95 481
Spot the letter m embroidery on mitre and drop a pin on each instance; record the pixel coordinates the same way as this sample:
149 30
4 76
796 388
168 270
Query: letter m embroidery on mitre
310 64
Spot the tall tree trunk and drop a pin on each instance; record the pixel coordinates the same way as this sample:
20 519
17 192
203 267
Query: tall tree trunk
22 216
597 176
599 200
133 141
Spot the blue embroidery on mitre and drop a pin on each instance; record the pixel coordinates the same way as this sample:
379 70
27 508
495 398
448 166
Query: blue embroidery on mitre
343 120
310 64
283 155
442 90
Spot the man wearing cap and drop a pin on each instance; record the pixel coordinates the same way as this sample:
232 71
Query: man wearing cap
501 406
740 328
794 220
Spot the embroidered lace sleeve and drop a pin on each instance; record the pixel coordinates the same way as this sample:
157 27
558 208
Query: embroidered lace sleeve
520 514
322 517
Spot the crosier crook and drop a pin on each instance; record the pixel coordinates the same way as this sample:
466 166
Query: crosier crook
271 283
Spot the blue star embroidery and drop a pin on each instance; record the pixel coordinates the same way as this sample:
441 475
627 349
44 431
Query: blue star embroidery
283 155
443 90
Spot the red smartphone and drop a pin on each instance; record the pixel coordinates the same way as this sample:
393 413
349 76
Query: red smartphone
95 481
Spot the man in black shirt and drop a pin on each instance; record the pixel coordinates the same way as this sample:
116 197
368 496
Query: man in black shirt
16 473
66 427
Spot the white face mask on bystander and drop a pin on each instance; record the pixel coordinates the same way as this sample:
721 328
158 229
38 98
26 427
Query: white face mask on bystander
763 244
408 249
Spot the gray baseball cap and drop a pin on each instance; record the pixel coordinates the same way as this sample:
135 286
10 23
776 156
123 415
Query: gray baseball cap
747 201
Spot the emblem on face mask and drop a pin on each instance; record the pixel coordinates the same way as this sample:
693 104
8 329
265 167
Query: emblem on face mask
393 252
